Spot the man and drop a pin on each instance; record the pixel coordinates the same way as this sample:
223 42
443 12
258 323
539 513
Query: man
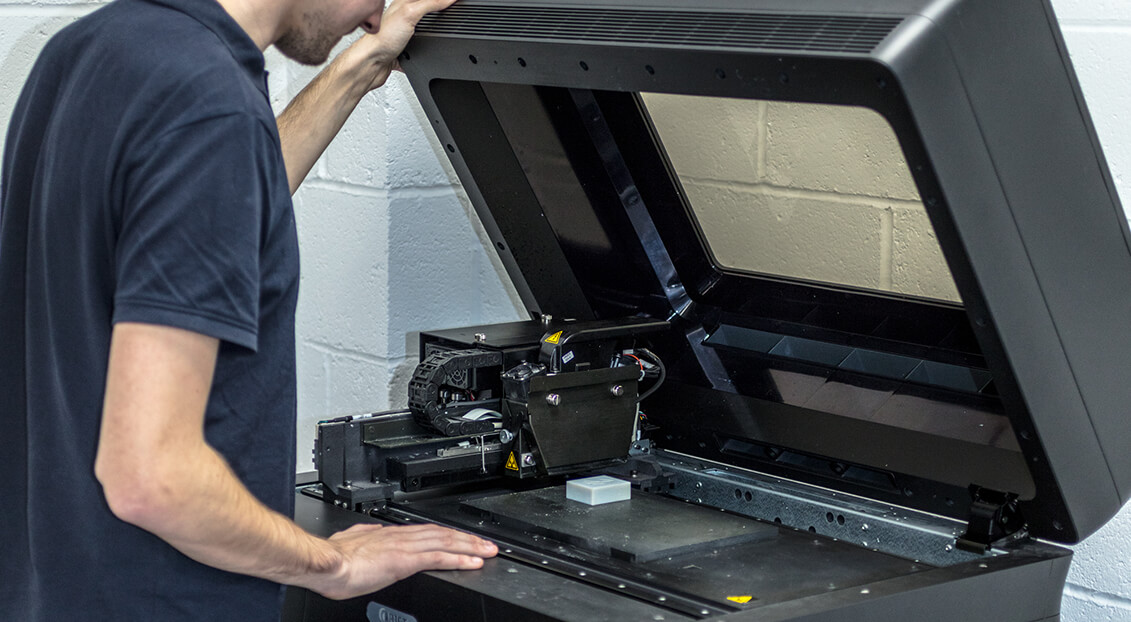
148 277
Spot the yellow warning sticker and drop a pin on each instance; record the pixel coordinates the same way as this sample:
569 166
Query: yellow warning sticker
512 464
741 599
554 338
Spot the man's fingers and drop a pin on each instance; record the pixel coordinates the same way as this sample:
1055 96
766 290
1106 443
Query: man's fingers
381 48
455 542
419 7
425 530
419 538
440 560
376 556
432 537
412 11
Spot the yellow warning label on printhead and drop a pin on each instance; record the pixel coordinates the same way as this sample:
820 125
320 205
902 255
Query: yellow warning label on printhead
741 599
554 338
512 464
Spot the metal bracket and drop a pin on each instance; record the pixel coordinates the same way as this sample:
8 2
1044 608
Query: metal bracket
995 521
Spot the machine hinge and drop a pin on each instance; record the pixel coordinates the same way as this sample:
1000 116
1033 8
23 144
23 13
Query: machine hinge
995 521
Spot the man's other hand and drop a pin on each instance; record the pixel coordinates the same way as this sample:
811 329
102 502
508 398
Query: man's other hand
374 556
314 117
387 39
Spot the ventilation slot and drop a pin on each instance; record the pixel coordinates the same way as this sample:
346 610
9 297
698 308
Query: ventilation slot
815 33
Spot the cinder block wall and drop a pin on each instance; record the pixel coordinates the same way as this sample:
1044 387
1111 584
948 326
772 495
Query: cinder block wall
391 246
810 191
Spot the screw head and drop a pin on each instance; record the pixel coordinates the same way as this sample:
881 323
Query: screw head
553 399
617 390
528 459
480 338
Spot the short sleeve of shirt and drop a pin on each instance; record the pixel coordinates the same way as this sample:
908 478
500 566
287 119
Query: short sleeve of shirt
191 227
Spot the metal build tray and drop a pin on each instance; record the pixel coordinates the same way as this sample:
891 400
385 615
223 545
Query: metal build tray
683 552
642 529
840 565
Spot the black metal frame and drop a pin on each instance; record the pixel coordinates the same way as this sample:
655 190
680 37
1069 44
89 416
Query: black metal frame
964 126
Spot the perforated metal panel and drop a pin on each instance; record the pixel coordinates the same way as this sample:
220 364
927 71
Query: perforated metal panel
814 33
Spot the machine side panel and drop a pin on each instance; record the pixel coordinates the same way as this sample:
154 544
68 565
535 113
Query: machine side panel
1010 260
1054 176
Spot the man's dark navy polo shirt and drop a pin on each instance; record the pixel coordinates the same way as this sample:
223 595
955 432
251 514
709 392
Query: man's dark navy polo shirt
142 181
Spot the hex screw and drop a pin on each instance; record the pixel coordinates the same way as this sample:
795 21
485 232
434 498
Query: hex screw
553 399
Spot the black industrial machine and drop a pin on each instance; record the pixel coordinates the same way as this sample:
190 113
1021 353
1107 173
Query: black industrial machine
525 400
805 440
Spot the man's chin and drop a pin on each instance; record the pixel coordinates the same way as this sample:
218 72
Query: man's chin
307 51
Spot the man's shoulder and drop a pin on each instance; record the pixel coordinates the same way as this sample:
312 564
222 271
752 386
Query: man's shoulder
140 32
159 55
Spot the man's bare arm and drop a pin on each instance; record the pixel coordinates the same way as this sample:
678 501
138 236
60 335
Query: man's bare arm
158 472
318 112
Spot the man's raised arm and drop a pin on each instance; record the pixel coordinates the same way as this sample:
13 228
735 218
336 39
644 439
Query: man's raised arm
318 112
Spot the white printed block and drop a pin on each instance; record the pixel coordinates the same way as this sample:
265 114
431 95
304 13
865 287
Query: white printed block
598 490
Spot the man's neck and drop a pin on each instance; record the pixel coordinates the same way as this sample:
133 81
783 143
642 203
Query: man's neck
263 20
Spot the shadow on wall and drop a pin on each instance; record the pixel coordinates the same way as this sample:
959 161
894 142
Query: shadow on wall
502 312
402 373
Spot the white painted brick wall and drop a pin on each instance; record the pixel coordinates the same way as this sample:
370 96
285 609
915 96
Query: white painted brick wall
803 190
389 243
390 246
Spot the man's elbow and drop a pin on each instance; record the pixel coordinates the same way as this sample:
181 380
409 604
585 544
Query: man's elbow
135 495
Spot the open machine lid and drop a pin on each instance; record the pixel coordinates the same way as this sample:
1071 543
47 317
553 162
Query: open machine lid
884 231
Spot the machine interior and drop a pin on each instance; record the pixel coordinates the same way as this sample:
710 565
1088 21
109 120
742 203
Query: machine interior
820 332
